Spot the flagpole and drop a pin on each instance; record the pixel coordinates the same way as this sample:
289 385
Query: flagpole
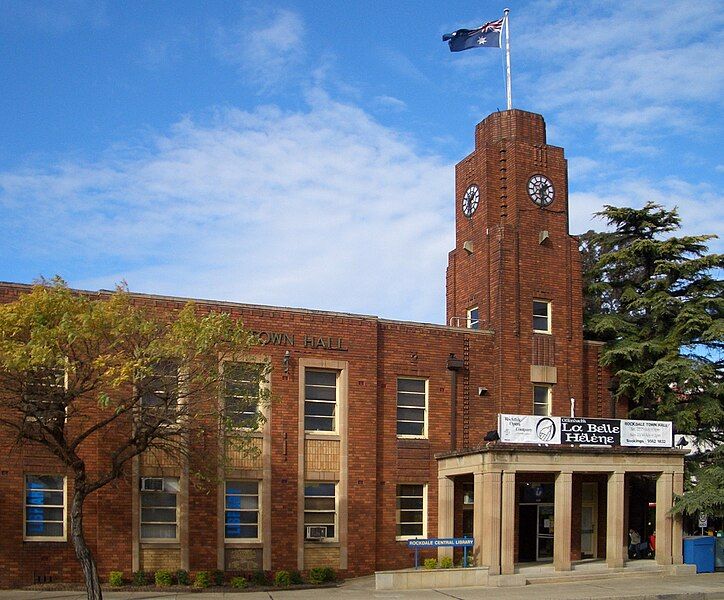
508 90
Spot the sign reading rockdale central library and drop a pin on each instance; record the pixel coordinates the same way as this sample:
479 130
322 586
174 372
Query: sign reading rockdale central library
530 429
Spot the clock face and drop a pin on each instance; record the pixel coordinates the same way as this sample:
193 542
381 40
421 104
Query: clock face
471 199
540 190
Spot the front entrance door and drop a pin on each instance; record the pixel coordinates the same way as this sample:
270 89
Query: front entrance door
589 511
545 532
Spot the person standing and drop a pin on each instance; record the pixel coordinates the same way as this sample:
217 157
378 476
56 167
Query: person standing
633 544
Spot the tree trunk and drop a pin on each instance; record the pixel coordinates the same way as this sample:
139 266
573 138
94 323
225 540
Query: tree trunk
82 551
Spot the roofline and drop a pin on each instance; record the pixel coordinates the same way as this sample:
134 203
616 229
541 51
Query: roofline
242 305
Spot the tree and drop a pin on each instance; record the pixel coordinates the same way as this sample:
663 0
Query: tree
656 299
77 368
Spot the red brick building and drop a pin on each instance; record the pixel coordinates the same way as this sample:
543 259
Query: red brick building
370 417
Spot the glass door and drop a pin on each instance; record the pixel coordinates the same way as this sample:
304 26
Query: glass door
545 532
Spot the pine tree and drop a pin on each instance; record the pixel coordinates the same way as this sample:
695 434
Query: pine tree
656 299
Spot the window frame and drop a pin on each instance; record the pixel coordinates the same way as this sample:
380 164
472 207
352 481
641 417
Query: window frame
549 316
471 323
259 534
424 511
263 386
337 405
549 393
408 436
45 538
141 522
325 540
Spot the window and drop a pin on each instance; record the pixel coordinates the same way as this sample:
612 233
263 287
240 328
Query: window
159 508
242 385
44 396
45 507
473 319
241 514
541 316
160 390
320 400
411 407
542 400
411 510
320 510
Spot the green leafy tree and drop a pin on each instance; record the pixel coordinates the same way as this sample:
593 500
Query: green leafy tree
78 368
656 299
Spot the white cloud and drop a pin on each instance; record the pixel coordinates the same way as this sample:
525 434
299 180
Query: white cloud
266 45
391 103
324 208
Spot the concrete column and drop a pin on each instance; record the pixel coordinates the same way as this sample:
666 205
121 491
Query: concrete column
507 524
490 535
677 533
445 512
615 540
664 502
478 523
562 522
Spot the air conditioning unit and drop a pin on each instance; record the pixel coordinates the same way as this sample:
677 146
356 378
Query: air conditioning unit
152 484
316 532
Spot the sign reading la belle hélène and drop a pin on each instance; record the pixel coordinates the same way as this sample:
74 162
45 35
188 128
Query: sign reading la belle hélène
277 338
530 429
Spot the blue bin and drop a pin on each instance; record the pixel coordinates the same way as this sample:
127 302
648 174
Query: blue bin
700 551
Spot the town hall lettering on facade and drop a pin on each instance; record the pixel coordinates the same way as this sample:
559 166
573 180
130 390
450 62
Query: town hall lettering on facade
376 433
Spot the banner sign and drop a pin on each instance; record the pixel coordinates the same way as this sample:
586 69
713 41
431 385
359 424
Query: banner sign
530 429
440 542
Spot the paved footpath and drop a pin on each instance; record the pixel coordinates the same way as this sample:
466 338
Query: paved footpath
709 586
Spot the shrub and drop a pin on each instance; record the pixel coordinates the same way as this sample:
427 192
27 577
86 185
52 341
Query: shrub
259 578
115 579
430 563
140 578
163 578
446 562
238 582
218 577
316 575
183 577
322 575
296 577
282 579
202 580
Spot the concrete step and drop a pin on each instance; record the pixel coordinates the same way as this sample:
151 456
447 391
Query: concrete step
589 574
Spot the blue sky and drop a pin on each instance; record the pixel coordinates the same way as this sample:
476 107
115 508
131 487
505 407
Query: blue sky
301 153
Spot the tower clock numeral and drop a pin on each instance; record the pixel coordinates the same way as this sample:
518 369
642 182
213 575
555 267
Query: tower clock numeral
471 199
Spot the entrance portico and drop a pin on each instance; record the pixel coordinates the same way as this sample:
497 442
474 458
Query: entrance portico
496 470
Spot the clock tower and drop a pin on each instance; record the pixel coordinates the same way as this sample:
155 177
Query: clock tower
515 269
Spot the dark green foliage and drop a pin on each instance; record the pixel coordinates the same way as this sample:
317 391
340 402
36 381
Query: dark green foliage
183 577
218 577
202 580
163 578
319 575
282 579
296 577
115 578
260 578
658 302
142 578
238 582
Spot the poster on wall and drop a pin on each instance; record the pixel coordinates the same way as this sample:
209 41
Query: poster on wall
655 434
529 429
584 431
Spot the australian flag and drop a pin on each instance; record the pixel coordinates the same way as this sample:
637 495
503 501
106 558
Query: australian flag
486 36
